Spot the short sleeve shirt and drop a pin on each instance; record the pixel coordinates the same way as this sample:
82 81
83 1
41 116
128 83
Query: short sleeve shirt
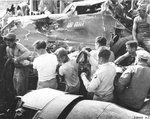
46 66
102 81
70 71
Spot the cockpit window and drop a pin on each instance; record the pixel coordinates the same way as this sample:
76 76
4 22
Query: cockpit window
88 9
84 9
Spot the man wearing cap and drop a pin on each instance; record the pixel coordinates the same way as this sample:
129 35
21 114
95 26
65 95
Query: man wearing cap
141 28
19 54
69 70
140 31
134 84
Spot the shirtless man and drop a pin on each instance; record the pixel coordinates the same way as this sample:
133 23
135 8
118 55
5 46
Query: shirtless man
141 28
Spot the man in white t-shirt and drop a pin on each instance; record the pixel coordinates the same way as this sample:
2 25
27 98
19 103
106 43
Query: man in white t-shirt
45 64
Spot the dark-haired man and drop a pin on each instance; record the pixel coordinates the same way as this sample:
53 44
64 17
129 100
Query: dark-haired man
45 64
100 42
129 57
102 81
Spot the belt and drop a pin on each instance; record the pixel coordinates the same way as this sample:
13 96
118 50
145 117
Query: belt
102 95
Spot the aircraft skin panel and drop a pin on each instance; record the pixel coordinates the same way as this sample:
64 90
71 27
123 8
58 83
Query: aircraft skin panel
84 109
76 29
39 98
86 28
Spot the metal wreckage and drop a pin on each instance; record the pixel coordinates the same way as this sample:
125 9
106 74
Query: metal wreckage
67 27
88 23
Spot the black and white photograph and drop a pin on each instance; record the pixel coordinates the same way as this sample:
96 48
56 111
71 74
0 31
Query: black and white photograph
74 59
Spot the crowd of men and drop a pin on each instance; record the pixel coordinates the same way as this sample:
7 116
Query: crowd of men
131 88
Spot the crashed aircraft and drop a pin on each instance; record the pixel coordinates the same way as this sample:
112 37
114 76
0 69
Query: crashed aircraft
53 104
88 23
